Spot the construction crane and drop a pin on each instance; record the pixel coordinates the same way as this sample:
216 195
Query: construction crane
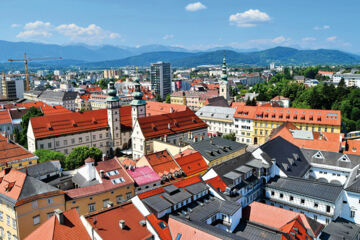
26 60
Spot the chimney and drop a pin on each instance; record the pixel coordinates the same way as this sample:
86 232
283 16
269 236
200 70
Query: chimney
122 224
171 110
169 126
59 215
102 173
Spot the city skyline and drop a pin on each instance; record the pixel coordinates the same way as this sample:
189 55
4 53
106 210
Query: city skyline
194 25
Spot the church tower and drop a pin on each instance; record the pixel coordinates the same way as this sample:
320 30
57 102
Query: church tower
113 113
224 84
138 105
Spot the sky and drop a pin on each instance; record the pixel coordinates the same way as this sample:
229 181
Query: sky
196 25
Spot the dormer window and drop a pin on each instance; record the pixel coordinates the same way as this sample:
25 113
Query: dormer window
344 158
318 155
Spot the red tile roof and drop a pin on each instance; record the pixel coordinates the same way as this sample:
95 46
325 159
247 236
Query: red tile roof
164 234
321 141
11 151
298 115
187 181
263 214
143 175
192 163
107 225
5 117
54 110
353 147
217 183
37 104
277 98
106 184
171 123
157 108
162 163
71 229
68 123
12 177
151 193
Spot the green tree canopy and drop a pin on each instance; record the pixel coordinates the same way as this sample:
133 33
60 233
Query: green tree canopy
48 155
22 138
168 99
78 155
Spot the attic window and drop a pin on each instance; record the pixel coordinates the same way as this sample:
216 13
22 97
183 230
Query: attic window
153 126
193 119
74 123
118 180
10 186
344 158
1 178
162 225
49 126
93 120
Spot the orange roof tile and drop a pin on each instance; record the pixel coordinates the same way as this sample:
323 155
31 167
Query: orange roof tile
353 147
151 193
321 141
107 225
12 176
298 115
164 233
71 229
263 214
54 110
11 151
157 108
171 123
217 183
5 117
162 162
187 181
192 163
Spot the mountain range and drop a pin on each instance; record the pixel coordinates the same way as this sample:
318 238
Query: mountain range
112 56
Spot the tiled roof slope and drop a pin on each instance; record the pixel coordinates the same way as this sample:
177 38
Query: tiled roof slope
157 108
310 188
11 151
107 225
71 229
162 162
53 110
5 117
192 163
171 123
298 115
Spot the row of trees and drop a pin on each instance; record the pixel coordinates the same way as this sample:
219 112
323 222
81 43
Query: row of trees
322 96
72 161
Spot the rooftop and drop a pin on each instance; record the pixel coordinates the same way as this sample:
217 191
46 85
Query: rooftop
42 169
340 229
162 163
143 175
222 113
192 163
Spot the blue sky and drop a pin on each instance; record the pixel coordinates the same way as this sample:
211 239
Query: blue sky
191 24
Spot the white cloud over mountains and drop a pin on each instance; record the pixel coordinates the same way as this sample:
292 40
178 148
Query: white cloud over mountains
92 34
249 18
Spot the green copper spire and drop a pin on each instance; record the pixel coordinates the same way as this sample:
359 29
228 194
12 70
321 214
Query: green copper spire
224 75
112 93
137 93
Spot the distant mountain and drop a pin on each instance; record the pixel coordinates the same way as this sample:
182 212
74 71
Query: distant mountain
279 55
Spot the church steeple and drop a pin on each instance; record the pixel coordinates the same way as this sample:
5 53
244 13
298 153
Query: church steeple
224 75
224 84
113 113
138 108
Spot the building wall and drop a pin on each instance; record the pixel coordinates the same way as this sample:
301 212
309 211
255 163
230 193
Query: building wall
219 125
329 175
351 208
20 163
115 196
45 208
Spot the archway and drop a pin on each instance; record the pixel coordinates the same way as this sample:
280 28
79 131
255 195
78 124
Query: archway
255 141
323 180
336 182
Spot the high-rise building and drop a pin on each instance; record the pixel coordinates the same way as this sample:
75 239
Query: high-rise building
12 87
161 78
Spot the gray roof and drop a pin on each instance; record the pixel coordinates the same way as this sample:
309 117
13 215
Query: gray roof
313 189
196 188
224 113
232 175
331 158
253 232
58 96
340 229
212 207
243 169
177 197
218 148
355 186
302 134
42 169
283 151
81 181
33 186
157 203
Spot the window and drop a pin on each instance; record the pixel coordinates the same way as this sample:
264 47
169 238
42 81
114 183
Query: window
291 198
328 208
119 199
14 237
8 220
57 143
36 220
50 201
34 204
87 138
73 140
13 223
281 195
9 235
50 214
1 216
352 214
94 137
327 221
80 139
2 232
91 207
315 217
316 205
128 195
105 203
302 201
49 145
65 142
41 146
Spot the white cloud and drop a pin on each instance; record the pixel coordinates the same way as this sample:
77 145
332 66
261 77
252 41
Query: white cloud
14 25
322 27
91 34
193 7
168 36
331 39
279 40
250 18
307 39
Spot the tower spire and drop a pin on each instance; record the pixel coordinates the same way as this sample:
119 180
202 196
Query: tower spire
224 75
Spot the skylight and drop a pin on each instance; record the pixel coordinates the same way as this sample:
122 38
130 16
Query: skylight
112 173
117 180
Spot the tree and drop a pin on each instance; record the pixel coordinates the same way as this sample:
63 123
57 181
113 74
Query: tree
48 155
33 112
168 99
158 98
230 136
78 155
103 83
